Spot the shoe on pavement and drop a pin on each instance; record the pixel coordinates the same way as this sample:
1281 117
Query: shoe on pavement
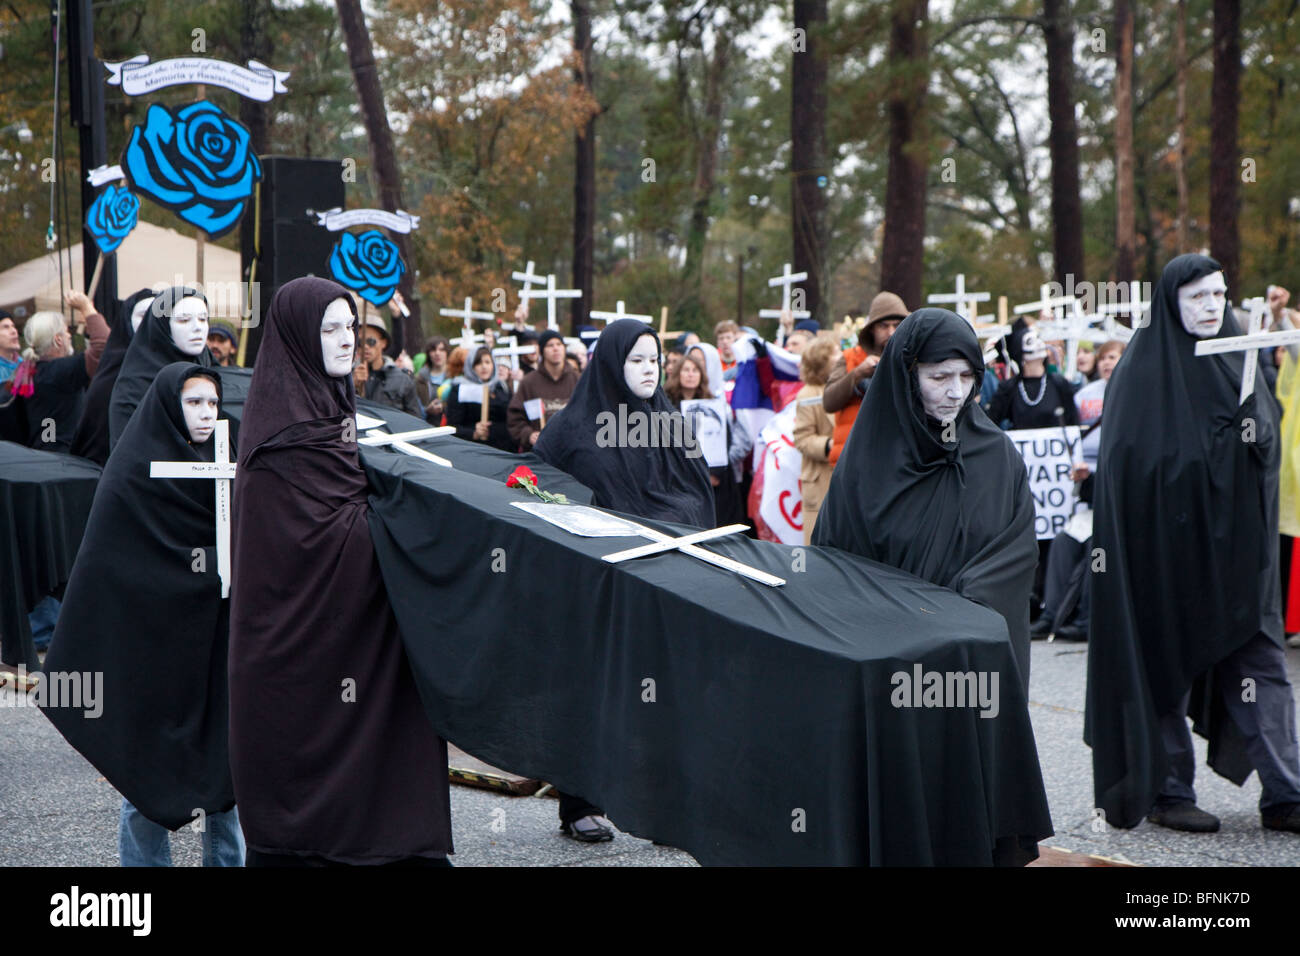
1071 632
589 829
1185 816
1040 628
1282 818
1293 640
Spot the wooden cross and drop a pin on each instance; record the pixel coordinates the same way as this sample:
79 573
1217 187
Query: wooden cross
468 314
1045 301
1073 330
619 313
529 279
964 301
688 544
785 280
1131 305
1071 327
1254 339
402 442
550 294
222 471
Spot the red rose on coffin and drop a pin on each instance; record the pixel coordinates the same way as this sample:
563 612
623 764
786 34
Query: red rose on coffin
523 477
520 475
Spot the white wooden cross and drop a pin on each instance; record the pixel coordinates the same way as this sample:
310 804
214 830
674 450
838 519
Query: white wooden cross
528 278
1254 339
468 315
785 280
1072 330
1132 305
1045 301
402 442
550 294
221 470
619 313
1061 326
964 302
688 544
593 523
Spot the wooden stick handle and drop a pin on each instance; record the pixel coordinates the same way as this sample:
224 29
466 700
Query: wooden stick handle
483 409
94 277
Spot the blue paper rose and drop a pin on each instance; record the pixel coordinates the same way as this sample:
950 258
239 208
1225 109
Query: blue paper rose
369 264
111 217
198 162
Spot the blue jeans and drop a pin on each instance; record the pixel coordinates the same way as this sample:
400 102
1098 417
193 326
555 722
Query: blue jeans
42 620
141 842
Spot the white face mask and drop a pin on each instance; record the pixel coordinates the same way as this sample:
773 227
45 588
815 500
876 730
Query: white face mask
199 405
189 325
945 387
137 314
337 340
641 367
1201 303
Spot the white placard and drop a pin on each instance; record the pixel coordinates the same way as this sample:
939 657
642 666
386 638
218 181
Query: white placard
365 422
708 420
581 520
138 76
337 219
533 408
470 393
1048 463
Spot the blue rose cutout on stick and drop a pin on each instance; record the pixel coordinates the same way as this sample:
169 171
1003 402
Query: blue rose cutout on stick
197 162
369 264
111 217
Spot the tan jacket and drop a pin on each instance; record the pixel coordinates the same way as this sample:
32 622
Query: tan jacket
812 433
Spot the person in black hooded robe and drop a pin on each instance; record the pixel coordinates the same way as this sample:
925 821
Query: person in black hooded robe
153 347
937 491
1186 615
334 761
661 482
90 440
141 611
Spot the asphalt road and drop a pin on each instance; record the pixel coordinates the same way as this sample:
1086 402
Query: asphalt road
56 810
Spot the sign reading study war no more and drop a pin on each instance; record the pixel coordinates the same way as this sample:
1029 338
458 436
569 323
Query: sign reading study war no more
1048 463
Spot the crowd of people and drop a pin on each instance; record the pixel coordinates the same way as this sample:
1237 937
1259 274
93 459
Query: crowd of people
904 460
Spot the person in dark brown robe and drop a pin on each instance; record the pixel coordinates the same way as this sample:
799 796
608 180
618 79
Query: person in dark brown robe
333 759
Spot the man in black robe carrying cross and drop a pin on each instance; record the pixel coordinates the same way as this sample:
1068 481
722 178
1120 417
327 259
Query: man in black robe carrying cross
1186 618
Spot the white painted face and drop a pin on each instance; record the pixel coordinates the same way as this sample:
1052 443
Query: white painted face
641 367
200 406
945 387
189 325
137 314
1200 305
337 340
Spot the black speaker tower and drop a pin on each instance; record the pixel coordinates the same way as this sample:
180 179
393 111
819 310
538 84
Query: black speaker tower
289 243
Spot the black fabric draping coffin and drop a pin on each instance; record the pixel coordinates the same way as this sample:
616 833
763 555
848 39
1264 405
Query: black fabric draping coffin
771 738
474 457
45 502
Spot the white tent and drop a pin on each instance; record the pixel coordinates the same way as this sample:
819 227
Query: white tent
150 257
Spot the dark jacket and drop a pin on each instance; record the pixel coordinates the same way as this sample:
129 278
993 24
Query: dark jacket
554 393
394 387
465 415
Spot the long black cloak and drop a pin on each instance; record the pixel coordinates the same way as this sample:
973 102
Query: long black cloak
1186 521
956 513
90 440
151 349
650 482
141 611
330 749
